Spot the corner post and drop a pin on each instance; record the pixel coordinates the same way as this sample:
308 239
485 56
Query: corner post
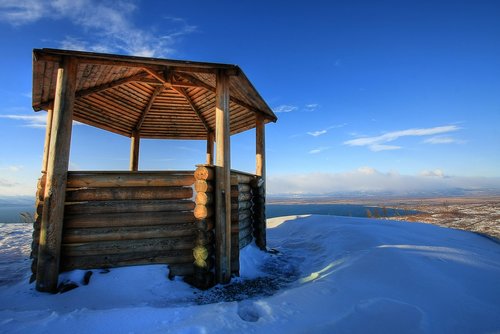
134 151
210 148
260 189
223 180
49 251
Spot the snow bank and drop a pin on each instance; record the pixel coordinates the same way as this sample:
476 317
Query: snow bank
345 275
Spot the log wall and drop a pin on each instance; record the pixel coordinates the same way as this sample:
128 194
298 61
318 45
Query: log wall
125 218
116 219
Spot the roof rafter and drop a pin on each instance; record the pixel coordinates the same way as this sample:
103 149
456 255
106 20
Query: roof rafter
202 84
183 92
158 90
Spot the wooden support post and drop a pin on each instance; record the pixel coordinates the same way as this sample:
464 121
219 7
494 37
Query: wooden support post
223 180
260 170
57 170
210 148
48 130
134 151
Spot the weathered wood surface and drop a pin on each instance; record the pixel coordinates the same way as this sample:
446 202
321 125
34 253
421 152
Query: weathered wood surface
89 220
203 211
184 257
203 186
127 179
204 173
57 167
128 193
135 140
104 248
84 235
128 206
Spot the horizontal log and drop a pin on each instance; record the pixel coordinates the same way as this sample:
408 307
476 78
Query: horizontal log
244 233
241 187
242 178
129 179
242 205
204 173
243 196
127 259
128 206
203 198
240 215
127 233
257 182
204 224
245 241
202 212
203 186
128 193
128 246
128 219
243 223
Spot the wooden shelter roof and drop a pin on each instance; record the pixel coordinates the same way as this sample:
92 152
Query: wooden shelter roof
159 98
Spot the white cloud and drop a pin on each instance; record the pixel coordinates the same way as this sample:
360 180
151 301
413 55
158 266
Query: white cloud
285 108
377 143
368 179
443 140
311 106
322 132
318 150
432 173
33 121
12 168
110 22
317 133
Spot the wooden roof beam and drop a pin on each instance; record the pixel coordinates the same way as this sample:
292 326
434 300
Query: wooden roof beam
158 90
182 92
55 55
97 89
206 86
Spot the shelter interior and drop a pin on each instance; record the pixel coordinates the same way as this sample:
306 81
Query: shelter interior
195 221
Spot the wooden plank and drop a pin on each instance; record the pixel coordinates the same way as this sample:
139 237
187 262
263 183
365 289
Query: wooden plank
127 233
222 182
183 93
128 219
128 206
77 179
158 90
48 130
55 189
128 193
210 148
127 259
128 246
134 151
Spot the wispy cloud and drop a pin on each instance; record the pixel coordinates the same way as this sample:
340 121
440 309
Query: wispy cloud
33 121
443 140
12 168
368 179
311 106
323 131
285 108
318 150
377 143
317 133
112 22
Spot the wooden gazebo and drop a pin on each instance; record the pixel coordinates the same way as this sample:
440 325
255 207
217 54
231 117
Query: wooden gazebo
194 221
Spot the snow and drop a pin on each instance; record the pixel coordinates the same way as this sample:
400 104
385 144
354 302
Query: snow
325 274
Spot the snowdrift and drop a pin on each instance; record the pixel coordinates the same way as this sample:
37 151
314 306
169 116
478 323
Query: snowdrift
324 274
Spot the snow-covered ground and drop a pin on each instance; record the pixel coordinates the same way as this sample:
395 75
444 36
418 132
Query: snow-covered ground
327 275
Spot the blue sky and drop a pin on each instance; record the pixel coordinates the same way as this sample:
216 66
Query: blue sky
370 95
